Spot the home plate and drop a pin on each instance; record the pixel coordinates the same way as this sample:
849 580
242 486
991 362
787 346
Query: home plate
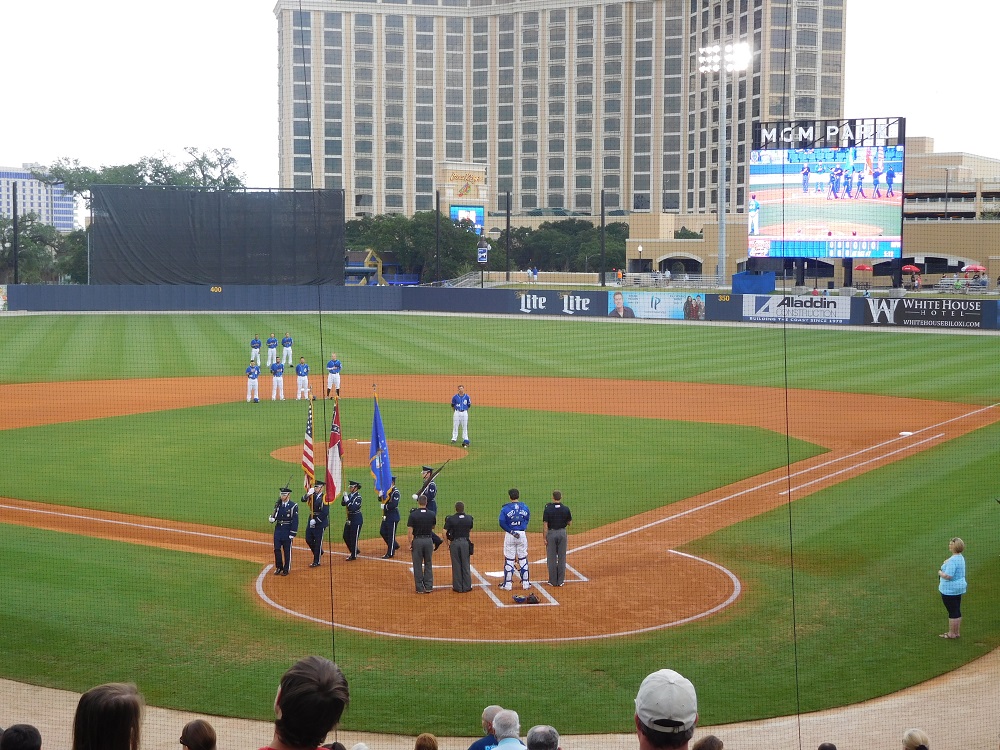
905 434
494 574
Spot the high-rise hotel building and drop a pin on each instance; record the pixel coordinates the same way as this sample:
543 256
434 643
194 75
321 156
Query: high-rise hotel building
554 100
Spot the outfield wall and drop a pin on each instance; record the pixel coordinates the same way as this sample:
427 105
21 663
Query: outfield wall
909 312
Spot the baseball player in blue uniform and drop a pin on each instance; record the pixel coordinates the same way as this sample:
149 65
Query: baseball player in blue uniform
302 380
430 489
286 349
272 349
255 348
890 177
277 380
352 527
253 372
876 183
753 215
514 517
390 520
333 374
460 404
286 525
319 520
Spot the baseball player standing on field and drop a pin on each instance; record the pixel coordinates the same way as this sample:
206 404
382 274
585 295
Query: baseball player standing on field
333 375
302 387
319 519
514 517
277 380
286 349
253 372
255 348
555 518
286 525
352 527
272 349
460 404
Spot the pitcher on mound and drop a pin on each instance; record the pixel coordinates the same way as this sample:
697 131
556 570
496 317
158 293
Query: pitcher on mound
514 517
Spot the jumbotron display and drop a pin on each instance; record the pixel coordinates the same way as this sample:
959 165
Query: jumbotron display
829 189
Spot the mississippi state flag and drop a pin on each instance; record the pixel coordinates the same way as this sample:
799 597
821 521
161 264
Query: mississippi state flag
334 457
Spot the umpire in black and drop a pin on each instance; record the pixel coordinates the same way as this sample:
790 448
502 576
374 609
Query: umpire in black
457 528
420 528
555 518
352 527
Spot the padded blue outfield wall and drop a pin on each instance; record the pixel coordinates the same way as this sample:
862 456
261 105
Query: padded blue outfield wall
909 312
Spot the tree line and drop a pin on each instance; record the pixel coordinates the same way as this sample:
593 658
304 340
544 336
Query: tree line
422 244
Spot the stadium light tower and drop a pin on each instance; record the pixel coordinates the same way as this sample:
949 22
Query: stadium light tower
723 60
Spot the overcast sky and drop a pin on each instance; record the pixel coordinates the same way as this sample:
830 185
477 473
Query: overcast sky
110 81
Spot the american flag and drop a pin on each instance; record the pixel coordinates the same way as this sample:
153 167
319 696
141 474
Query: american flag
308 466
334 457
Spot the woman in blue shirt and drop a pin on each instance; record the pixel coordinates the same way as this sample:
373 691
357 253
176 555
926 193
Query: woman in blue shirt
952 586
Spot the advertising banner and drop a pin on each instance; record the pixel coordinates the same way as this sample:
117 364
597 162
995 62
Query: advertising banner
549 302
921 313
796 309
656 305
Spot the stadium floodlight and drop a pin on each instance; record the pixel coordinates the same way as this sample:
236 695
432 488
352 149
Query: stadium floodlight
731 58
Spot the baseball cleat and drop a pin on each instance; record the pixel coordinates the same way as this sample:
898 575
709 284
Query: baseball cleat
465 443
525 585
506 586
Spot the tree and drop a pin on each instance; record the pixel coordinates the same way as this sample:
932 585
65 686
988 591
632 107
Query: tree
38 247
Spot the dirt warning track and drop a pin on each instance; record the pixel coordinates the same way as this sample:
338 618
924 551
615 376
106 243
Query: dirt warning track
635 560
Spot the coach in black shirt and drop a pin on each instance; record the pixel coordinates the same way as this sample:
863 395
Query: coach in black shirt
457 528
420 528
555 518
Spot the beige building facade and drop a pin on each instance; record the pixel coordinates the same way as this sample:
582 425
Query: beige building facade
558 101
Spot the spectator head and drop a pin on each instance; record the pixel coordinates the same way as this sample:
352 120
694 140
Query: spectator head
359 746
915 739
311 698
20 737
426 741
507 724
827 746
710 742
666 710
334 746
198 735
543 737
490 712
108 717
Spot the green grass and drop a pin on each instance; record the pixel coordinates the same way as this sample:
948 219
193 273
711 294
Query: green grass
840 600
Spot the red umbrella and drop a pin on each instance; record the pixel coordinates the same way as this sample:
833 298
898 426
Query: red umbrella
910 268
974 267
863 267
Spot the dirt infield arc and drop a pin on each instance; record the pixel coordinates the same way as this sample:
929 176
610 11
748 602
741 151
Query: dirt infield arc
634 560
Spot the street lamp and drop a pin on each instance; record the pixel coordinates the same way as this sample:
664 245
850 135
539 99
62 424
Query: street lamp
640 258
732 57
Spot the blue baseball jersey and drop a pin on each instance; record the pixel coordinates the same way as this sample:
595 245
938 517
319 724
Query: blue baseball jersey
272 343
333 366
277 369
253 371
255 343
302 369
514 516
753 205
286 341
460 402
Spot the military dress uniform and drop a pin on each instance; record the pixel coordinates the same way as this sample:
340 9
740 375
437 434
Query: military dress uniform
352 527
430 489
319 520
286 526
422 522
555 518
390 520
457 528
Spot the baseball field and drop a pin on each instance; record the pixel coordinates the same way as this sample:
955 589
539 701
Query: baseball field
761 508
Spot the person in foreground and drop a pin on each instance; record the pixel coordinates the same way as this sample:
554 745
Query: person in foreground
198 735
666 711
20 737
108 717
507 730
311 697
916 739
952 586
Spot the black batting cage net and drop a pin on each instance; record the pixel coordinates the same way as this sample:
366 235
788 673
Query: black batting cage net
157 235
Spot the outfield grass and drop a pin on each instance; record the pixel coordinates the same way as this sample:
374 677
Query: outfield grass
840 601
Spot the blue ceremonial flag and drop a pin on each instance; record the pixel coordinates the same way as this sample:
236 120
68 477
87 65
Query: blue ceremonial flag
378 457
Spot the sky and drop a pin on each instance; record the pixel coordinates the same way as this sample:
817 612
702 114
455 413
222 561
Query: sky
110 81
